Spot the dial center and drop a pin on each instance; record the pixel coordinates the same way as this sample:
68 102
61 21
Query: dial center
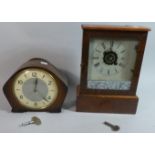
110 58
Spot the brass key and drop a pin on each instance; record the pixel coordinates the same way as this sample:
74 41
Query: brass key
34 120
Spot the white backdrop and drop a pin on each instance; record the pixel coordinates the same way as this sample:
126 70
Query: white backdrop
61 44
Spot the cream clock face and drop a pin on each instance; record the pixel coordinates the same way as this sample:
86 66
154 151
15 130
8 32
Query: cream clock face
35 88
111 63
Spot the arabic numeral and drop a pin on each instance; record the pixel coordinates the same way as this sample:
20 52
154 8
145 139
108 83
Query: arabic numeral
49 97
20 82
34 74
21 97
49 83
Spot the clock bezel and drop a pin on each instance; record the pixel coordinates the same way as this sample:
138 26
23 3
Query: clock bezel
118 33
37 69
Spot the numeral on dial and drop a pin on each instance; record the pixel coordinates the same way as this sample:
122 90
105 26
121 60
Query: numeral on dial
123 51
98 51
49 97
34 74
116 70
97 64
122 65
35 104
21 97
20 82
43 76
103 45
49 83
95 58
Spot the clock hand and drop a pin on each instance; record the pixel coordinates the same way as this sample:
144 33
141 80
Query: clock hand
111 45
35 84
41 95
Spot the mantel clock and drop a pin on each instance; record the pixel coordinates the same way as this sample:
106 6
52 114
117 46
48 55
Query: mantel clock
110 68
36 86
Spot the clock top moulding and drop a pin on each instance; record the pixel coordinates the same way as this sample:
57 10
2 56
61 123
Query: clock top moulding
115 28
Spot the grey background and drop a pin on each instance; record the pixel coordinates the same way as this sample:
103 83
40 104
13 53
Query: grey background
61 44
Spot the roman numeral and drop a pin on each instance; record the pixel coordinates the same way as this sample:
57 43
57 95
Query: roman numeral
122 58
103 45
98 51
97 64
116 70
123 51
118 46
101 70
122 65
95 57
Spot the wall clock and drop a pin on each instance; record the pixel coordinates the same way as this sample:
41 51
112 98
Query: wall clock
36 86
110 68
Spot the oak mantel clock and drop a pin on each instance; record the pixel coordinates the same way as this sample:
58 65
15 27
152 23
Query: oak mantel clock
110 68
36 86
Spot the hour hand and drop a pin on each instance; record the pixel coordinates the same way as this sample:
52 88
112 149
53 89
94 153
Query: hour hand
35 84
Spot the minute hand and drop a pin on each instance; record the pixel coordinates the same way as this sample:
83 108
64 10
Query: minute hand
41 96
111 45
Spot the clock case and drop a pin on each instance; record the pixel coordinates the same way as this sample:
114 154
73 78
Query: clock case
110 101
40 64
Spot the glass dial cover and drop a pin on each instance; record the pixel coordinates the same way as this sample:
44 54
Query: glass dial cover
35 88
111 63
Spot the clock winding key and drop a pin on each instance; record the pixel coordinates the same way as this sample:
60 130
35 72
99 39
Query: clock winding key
34 120
113 127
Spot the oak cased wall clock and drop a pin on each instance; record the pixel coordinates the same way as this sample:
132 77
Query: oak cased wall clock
110 68
36 86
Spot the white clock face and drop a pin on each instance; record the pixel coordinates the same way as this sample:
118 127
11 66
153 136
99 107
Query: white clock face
111 63
35 88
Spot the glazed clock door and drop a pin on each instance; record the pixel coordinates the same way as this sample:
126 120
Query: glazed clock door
111 63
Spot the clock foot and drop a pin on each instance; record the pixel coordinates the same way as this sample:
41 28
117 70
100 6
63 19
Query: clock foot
55 110
17 111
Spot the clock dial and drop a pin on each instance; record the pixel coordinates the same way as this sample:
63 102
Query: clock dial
35 88
111 63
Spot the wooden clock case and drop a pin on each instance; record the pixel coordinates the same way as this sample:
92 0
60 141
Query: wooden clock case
40 64
110 101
